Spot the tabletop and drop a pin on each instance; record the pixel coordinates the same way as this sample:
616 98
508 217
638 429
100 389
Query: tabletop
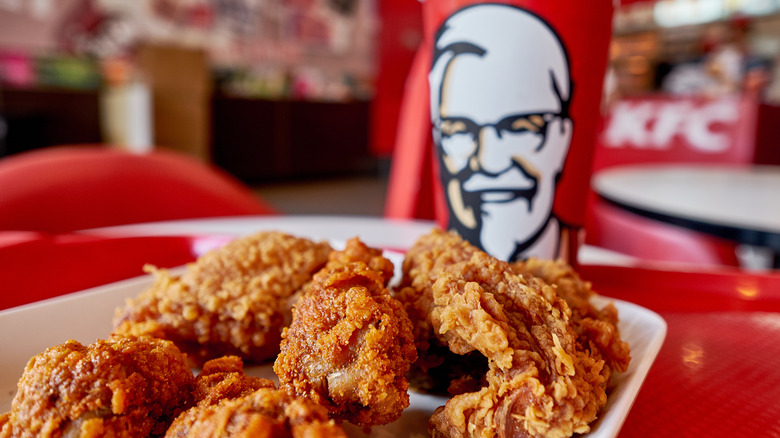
715 375
739 203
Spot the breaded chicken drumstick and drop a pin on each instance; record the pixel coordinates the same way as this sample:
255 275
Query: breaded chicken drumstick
350 343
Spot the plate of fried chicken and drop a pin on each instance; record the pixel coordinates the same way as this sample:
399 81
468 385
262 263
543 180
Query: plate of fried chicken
280 335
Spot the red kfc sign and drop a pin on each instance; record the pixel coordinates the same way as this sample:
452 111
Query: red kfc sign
663 129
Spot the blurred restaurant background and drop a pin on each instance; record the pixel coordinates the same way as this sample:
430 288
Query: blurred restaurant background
294 97
208 119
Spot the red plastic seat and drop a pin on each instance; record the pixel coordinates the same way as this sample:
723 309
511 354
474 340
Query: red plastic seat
70 188
647 239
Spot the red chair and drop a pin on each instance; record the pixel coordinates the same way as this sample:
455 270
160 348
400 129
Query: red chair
64 189
47 194
648 239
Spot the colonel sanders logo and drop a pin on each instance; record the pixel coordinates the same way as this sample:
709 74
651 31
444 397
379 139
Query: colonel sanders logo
500 93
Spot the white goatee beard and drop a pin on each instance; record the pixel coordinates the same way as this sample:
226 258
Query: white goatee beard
503 229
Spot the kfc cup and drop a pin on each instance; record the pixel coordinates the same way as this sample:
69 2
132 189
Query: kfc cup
515 91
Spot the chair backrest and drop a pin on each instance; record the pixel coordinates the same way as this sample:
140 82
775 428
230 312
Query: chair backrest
69 188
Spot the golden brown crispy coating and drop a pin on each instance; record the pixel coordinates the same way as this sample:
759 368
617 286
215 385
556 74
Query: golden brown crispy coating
596 328
230 403
231 301
437 369
224 378
357 251
129 387
266 412
350 343
540 382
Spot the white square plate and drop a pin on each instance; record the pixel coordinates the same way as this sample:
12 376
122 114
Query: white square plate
87 316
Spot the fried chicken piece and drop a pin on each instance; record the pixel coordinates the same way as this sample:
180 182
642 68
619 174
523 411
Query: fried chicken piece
357 251
437 369
224 378
596 328
232 404
129 387
266 412
540 382
350 343
231 301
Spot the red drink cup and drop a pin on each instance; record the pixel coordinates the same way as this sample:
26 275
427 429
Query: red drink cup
515 92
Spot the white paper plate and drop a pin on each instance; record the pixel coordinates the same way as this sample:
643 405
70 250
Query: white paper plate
87 316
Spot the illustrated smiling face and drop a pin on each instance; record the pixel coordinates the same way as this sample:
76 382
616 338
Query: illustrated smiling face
500 94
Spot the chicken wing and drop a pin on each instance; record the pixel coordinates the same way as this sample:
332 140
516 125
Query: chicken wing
540 381
596 328
350 343
129 387
231 301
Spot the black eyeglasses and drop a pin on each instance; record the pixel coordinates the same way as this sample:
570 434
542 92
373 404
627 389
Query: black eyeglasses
461 126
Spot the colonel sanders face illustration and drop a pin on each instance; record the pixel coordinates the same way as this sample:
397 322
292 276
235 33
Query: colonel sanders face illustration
500 93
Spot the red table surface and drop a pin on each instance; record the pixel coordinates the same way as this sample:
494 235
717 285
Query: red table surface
717 374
